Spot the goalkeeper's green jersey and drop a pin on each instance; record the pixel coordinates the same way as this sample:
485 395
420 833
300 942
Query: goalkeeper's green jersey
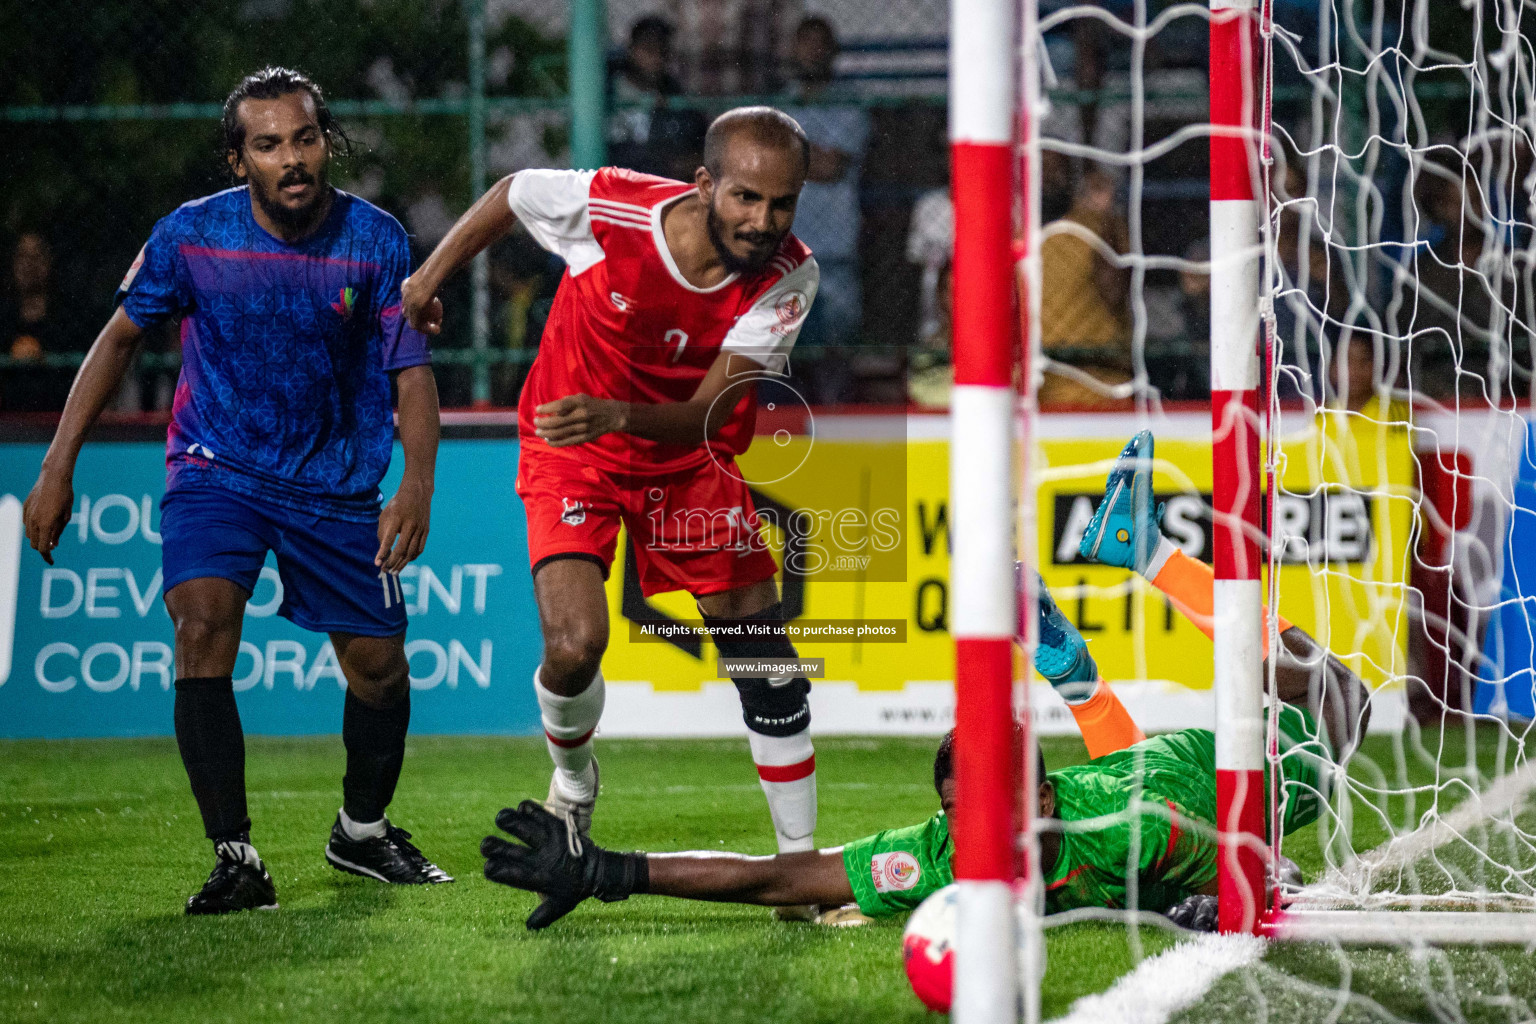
1143 815
897 869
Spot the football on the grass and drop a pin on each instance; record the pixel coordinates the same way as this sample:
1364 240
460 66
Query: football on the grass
928 947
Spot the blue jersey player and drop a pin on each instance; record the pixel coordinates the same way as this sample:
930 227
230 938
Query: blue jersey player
288 296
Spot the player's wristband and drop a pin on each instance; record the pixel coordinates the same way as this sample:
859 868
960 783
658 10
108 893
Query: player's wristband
616 876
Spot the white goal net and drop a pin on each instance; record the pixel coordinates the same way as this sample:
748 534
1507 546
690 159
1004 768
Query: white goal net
1394 147
1400 276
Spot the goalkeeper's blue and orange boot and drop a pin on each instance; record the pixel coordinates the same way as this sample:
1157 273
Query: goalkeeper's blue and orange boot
1061 653
1124 528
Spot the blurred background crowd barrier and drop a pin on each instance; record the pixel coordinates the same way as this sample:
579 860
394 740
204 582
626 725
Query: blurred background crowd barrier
111 115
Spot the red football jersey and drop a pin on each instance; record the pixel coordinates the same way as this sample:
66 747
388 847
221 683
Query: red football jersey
627 325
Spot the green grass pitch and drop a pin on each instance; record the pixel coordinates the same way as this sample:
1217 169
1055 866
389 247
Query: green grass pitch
100 844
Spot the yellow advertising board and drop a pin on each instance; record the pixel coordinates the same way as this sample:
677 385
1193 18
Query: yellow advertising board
1345 510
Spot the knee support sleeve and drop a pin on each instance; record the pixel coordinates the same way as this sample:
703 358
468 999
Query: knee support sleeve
775 710
771 706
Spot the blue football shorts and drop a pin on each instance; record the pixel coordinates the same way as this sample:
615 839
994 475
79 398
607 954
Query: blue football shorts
330 584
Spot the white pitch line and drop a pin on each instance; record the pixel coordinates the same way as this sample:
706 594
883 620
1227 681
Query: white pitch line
1162 985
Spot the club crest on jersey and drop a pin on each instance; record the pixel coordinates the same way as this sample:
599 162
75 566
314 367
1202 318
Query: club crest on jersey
790 309
574 514
895 872
345 301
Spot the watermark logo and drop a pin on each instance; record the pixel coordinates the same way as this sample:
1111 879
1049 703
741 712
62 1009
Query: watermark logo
775 397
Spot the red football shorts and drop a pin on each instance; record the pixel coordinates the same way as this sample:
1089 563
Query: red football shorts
695 529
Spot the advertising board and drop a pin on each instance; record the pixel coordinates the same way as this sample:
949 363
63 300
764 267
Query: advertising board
85 645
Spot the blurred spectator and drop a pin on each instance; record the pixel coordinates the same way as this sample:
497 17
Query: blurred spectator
931 245
640 81
644 74
1186 373
1459 331
1314 300
1177 326
677 142
931 371
1084 321
1195 293
34 323
523 282
1055 182
827 217
429 219
643 133
1355 370
735 46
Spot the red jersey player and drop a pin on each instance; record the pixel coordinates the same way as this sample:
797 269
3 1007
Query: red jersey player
676 299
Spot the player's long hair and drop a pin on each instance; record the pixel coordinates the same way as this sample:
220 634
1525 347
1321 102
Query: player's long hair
270 83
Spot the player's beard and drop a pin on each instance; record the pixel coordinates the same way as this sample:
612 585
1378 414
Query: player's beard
295 220
733 263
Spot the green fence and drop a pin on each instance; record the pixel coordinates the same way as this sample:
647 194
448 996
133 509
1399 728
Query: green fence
111 116
110 111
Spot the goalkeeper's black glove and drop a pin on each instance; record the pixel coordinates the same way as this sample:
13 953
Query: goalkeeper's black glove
558 864
1197 913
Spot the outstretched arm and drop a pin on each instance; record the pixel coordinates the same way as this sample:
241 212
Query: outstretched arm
783 880
48 507
1309 676
566 870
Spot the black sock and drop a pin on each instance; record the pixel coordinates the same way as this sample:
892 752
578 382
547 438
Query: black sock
212 748
375 741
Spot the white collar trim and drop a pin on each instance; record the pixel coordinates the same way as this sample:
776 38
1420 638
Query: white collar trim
660 238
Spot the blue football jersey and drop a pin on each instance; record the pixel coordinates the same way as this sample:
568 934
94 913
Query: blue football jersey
286 350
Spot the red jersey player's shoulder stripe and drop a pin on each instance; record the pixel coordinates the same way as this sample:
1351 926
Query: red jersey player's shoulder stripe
618 187
626 214
638 222
792 252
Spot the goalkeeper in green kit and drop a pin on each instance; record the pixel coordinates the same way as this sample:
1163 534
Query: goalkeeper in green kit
1141 809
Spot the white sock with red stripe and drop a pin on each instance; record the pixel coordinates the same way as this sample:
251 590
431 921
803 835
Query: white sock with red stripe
569 724
786 767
